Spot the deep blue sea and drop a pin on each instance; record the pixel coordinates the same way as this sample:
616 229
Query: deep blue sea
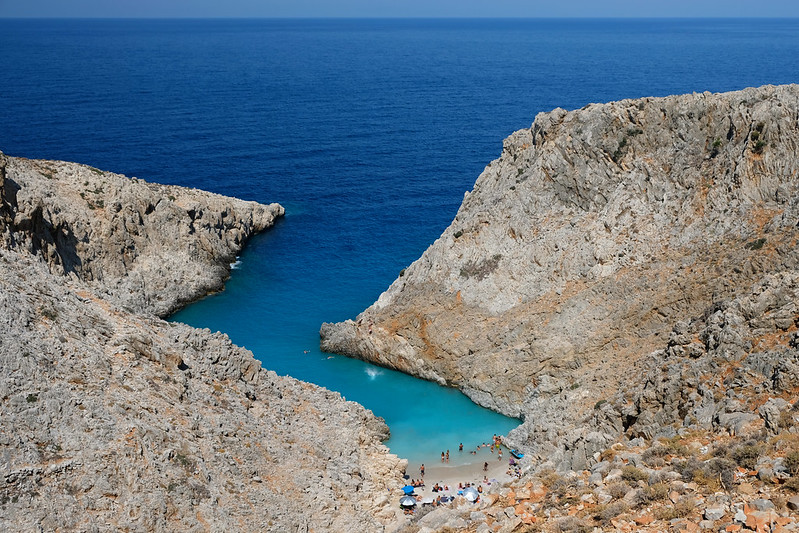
367 131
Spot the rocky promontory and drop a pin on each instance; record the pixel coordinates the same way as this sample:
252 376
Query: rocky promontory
579 253
113 419
150 248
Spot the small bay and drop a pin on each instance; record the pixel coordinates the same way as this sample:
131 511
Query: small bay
367 131
272 308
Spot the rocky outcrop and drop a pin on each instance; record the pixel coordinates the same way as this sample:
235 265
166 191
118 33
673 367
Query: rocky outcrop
117 420
733 369
581 247
150 248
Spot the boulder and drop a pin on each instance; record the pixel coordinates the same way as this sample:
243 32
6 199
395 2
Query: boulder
714 513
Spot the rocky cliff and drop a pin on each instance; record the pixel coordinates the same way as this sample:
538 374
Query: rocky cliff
580 248
113 419
150 248
707 438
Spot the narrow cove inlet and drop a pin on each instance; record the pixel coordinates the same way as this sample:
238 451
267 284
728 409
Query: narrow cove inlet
273 305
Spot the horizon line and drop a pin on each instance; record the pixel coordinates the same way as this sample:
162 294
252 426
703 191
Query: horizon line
337 17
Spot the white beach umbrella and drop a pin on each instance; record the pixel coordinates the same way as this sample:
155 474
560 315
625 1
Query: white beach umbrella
471 494
407 501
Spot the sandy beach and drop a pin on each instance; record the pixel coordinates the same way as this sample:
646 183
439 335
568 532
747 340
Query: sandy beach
464 467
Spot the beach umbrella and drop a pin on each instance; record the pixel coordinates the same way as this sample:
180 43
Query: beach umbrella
407 501
407 489
471 494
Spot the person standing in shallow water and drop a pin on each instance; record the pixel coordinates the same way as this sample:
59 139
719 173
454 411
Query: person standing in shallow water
442 457
421 469
460 448
447 455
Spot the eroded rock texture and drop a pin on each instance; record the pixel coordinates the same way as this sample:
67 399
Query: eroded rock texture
581 247
151 248
113 419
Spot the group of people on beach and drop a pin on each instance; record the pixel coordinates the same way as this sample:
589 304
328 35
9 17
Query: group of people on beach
496 443
514 468
439 488
442 492
438 501
462 486
445 455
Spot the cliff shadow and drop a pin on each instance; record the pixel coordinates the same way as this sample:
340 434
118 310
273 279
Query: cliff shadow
55 243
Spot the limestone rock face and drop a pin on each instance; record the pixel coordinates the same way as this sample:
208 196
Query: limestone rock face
580 248
727 371
116 420
151 248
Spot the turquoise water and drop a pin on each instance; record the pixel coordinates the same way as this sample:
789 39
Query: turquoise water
274 310
367 131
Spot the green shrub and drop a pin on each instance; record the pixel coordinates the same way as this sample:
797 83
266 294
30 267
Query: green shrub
757 139
657 492
792 463
746 456
792 484
714 475
620 150
618 490
757 244
681 509
548 477
674 446
688 469
570 524
49 313
630 473
611 511
716 148
561 487
651 455
722 470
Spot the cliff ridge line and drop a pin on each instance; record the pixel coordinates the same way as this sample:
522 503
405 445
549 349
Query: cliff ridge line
151 248
580 247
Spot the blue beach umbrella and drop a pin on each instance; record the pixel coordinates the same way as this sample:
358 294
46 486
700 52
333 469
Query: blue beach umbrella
408 489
